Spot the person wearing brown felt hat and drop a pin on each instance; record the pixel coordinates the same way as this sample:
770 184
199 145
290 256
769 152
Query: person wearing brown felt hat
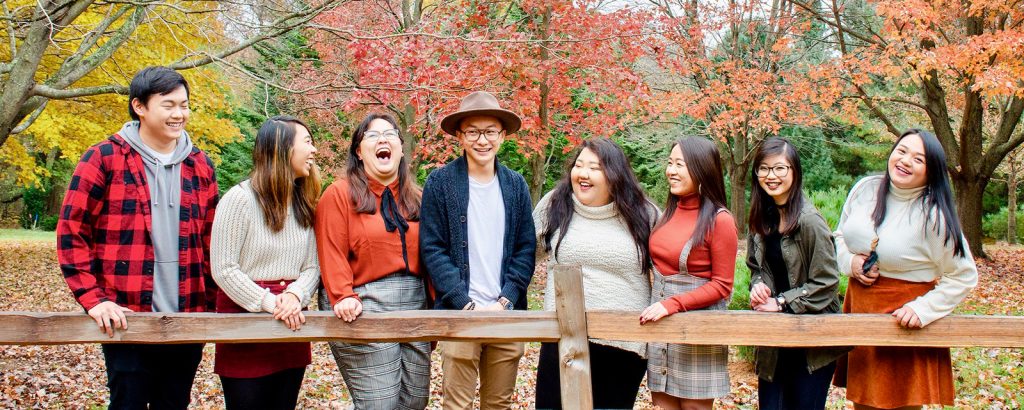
478 245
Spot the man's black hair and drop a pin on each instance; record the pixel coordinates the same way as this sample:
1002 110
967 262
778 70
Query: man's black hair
153 80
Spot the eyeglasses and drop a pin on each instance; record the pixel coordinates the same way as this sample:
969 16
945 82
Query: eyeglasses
474 135
373 136
779 170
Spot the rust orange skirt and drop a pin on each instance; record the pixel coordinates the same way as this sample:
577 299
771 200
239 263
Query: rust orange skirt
890 377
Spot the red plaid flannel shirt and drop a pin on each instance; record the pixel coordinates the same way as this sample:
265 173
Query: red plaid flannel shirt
103 235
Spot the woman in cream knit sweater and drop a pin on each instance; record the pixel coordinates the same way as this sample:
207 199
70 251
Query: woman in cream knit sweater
899 239
263 257
598 217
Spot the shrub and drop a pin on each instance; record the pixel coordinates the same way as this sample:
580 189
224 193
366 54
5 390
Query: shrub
994 225
830 204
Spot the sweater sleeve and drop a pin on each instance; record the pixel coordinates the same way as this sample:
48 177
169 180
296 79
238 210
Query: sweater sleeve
332 243
723 244
309 276
230 228
959 276
844 257
540 223
434 245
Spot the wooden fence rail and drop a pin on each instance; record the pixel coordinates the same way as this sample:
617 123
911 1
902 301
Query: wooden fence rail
569 325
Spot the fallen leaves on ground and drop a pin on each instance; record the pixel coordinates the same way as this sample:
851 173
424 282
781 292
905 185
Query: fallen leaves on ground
73 376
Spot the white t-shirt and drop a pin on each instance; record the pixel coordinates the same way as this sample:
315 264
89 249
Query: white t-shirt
485 220
164 158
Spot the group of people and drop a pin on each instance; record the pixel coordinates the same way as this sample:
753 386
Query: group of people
141 230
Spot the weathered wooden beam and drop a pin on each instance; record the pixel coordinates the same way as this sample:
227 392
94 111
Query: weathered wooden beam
573 347
30 328
769 329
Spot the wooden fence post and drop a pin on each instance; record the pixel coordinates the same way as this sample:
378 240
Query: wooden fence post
573 348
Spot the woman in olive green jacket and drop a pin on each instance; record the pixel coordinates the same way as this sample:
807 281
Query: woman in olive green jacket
792 260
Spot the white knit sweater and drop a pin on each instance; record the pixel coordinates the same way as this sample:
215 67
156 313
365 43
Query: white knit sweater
909 248
243 249
598 240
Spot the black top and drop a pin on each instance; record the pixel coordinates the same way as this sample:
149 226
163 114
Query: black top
777 265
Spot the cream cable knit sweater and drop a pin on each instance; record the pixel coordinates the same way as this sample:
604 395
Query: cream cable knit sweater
243 249
598 240
909 248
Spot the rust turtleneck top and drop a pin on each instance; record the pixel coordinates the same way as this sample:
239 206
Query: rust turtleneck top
714 259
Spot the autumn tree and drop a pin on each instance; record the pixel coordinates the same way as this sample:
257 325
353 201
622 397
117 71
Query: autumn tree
569 68
959 66
740 71
64 63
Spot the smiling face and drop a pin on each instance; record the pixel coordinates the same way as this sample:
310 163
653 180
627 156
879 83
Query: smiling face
775 185
589 184
302 152
907 163
163 117
481 151
679 181
381 151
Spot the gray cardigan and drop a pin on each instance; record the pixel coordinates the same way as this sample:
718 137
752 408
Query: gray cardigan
810 256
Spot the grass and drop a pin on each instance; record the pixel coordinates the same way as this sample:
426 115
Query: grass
26 235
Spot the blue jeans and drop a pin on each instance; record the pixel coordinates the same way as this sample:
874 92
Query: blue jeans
793 387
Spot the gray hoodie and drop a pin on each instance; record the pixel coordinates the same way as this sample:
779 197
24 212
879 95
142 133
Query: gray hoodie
164 181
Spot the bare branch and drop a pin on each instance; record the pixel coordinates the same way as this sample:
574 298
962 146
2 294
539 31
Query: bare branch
31 119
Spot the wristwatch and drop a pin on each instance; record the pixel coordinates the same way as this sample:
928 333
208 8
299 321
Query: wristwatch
782 301
505 303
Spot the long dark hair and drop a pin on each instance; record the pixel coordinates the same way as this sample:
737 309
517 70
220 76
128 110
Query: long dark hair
273 179
408 195
625 191
937 196
764 213
705 169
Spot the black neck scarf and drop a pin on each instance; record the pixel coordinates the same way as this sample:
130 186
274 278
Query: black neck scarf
393 220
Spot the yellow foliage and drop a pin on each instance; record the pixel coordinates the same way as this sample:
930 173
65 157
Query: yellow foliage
166 36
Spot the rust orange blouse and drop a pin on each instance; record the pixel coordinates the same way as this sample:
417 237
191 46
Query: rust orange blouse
354 248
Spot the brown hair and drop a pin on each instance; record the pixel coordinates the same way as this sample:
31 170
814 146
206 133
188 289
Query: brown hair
705 168
408 195
273 179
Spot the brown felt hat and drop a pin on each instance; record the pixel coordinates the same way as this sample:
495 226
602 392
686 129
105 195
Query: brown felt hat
481 103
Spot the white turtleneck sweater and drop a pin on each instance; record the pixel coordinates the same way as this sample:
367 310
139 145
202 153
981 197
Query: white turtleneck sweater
909 247
243 249
598 239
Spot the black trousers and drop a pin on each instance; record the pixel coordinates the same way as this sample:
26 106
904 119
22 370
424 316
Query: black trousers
151 376
615 375
271 392
793 387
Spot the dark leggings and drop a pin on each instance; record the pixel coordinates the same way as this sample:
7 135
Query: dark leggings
274 391
793 387
615 375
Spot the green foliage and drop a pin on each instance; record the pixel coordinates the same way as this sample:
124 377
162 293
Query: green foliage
994 225
35 207
829 203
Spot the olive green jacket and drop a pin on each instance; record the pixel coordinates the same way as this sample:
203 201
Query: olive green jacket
810 256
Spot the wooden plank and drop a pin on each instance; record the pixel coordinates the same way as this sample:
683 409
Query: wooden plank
573 347
29 328
767 329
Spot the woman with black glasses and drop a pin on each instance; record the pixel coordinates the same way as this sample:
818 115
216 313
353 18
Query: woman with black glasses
900 241
792 261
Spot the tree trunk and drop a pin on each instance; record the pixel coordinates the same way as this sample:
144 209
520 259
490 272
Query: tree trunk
537 176
738 181
1011 201
969 194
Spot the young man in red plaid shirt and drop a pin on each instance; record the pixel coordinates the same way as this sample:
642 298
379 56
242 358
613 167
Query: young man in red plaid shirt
134 236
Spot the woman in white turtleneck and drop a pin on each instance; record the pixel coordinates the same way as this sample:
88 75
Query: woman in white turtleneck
598 217
899 239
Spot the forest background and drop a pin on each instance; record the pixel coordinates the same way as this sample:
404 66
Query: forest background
839 78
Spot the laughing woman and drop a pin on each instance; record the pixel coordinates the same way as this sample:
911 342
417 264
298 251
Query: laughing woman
598 217
792 261
900 241
694 251
263 257
367 229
